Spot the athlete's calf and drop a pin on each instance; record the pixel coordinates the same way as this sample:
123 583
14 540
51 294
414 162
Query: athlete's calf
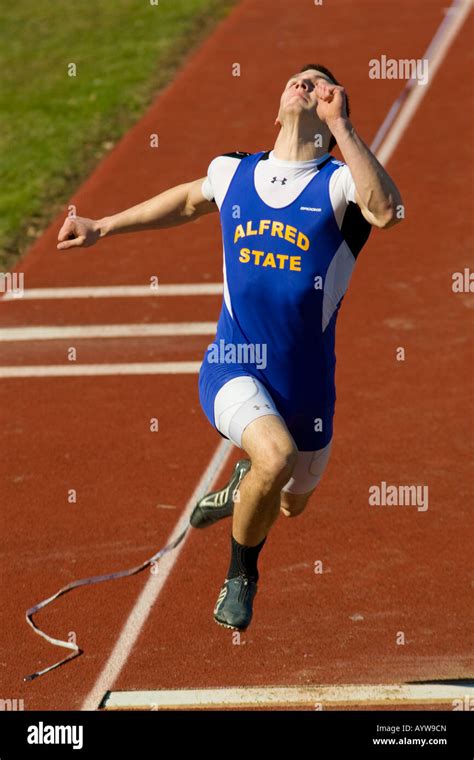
307 473
293 504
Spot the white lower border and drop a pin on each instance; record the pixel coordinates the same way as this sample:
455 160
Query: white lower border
344 694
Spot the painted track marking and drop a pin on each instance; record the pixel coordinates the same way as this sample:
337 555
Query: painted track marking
117 291
399 116
343 694
101 370
145 330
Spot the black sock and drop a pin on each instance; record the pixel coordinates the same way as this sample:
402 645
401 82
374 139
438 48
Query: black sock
244 559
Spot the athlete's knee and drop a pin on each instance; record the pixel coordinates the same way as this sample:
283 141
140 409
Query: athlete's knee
275 462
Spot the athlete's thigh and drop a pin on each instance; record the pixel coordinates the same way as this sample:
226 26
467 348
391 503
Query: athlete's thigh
245 412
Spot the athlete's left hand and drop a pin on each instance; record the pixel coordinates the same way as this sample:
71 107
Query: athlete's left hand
331 102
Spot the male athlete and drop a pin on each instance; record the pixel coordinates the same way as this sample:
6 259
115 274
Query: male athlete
293 221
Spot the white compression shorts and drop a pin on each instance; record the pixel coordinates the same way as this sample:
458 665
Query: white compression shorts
244 399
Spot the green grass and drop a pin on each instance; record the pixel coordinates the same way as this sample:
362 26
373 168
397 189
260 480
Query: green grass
55 128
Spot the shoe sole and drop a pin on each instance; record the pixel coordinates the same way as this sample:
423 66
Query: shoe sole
228 625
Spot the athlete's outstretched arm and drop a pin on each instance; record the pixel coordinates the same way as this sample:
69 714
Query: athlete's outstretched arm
179 205
376 193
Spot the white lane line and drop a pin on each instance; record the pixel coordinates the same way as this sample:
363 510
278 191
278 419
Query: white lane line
141 330
144 604
95 370
116 291
344 694
413 93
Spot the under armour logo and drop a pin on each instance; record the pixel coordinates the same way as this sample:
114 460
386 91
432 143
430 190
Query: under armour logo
256 406
275 179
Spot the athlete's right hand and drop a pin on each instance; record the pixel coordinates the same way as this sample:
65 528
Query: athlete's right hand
78 232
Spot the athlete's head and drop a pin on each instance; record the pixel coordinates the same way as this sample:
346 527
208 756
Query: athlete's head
299 102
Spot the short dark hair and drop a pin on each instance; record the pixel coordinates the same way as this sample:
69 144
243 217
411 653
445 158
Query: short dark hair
324 70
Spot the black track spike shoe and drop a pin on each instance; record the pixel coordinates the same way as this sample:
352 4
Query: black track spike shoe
218 504
234 604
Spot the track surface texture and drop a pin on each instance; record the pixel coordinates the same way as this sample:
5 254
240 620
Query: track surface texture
386 570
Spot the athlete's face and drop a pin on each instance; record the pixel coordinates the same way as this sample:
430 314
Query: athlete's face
300 94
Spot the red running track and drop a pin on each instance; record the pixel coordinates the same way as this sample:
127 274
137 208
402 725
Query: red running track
387 569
